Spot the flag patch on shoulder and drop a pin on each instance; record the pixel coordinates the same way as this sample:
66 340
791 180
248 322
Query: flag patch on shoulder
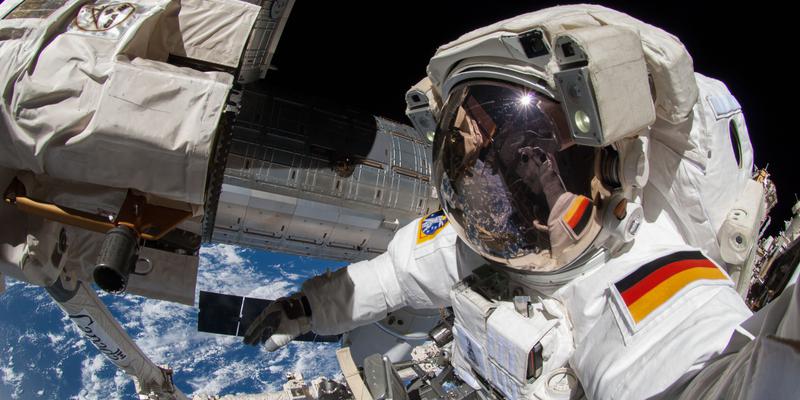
578 214
655 283
430 226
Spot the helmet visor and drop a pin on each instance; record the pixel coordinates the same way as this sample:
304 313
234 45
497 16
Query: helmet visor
514 185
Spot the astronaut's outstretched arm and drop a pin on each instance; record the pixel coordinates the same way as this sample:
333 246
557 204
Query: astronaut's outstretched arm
417 270
763 368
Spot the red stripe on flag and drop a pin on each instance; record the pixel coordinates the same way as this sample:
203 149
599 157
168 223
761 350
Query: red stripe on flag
660 275
576 216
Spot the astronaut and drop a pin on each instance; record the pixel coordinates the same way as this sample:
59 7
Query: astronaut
583 170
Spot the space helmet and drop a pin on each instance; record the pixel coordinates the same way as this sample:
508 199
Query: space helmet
513 183
539 128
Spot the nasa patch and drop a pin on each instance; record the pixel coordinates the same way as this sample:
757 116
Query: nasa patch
430 226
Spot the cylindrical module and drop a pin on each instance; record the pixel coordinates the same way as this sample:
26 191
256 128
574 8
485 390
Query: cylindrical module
318 179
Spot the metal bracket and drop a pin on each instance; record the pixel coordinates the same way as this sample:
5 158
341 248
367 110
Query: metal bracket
151 222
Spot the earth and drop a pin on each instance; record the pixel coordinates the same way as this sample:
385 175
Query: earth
42 355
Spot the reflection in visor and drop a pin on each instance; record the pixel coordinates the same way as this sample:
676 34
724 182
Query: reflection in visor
507 170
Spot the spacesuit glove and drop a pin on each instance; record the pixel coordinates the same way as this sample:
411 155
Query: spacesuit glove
278 324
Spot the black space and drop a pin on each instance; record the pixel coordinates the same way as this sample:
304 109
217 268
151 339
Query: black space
367 54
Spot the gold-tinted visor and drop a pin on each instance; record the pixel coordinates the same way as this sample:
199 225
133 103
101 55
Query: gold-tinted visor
514 185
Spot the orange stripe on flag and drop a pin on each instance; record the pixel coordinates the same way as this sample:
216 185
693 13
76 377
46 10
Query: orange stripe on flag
642 307
656 277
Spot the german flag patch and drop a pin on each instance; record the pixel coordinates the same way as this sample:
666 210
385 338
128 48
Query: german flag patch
654 284
578 214
430 226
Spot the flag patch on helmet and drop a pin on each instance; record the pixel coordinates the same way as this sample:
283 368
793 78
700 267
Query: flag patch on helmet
578 214
653 285
430 226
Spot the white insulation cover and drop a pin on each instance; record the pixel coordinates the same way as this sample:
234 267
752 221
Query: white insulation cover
215 31
101 105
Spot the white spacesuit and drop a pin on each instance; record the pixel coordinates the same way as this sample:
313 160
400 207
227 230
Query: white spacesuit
584 172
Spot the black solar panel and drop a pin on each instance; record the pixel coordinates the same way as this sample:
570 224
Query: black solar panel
219 313
251 309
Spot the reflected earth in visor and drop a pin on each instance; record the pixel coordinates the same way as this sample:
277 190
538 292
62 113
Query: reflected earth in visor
510 178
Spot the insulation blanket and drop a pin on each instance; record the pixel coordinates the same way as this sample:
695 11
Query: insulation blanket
87 96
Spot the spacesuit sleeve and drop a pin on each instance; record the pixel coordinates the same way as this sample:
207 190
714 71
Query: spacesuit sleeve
766 367
417 270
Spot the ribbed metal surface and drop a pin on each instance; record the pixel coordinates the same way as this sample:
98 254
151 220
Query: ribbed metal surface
263 38
305 179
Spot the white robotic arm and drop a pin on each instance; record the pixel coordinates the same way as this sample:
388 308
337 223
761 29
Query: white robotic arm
99 327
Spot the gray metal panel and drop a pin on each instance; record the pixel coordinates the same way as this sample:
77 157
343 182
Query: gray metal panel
405 191
231 210
281 223
410 155
318 178
267 223
398 128
424 157
345 236
381 148
361 219
229 216
313 221
369 183
270 201
225 236
264 38
309 230
318 211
